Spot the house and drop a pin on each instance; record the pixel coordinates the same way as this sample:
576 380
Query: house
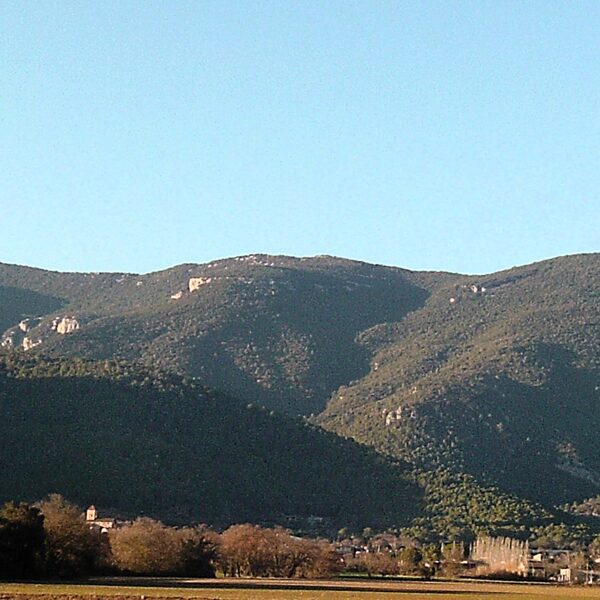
535 568
577 576
542 563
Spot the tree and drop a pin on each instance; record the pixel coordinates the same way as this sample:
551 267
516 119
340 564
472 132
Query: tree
500 554
431 555
147 547
452 556
380 563
262 552
410 559
560 535
72 549
22 539
367 534
594 548
244 550
198 553
323 560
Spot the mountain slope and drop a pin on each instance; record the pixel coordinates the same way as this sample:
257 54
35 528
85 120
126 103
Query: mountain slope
277 330
146 442
496 375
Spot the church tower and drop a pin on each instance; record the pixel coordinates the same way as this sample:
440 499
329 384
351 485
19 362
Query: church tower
91 514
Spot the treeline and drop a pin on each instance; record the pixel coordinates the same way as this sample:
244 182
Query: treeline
147 547
52 539
48 539
486 557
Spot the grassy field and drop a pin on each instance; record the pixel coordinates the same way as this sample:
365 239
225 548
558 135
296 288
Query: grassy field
248 589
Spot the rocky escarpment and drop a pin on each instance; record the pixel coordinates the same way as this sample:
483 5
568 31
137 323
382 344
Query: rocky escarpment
31 332
195 282
65 325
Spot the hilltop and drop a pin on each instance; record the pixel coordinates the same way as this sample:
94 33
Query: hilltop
278 330
495 375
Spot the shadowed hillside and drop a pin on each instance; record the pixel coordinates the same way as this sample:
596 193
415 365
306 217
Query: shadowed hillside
149 443
278 330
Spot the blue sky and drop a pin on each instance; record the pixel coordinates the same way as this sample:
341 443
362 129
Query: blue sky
460 136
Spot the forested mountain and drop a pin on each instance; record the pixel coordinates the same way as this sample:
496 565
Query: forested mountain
498 376
278 330
144 442
494 376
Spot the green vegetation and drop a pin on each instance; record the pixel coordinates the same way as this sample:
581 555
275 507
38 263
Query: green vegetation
590 507
500 381
274 330
22 540
70 548
143 442
458 508
488 386
49 540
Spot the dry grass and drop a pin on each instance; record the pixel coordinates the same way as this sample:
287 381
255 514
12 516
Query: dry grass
260 589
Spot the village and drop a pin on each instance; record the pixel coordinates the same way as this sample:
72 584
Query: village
388 554
489 557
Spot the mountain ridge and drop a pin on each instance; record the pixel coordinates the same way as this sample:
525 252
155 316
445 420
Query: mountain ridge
494 375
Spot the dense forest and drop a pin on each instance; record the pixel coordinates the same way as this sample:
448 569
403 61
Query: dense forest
149 442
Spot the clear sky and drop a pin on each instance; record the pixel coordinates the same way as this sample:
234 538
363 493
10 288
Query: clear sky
461 136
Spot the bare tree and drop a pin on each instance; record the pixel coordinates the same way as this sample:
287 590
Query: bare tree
147 547
263 552
500 554
72 549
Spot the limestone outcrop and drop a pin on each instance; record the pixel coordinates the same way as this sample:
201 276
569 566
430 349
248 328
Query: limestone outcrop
195 282
65 325
29 343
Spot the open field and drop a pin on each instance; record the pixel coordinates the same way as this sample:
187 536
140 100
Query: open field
251 589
